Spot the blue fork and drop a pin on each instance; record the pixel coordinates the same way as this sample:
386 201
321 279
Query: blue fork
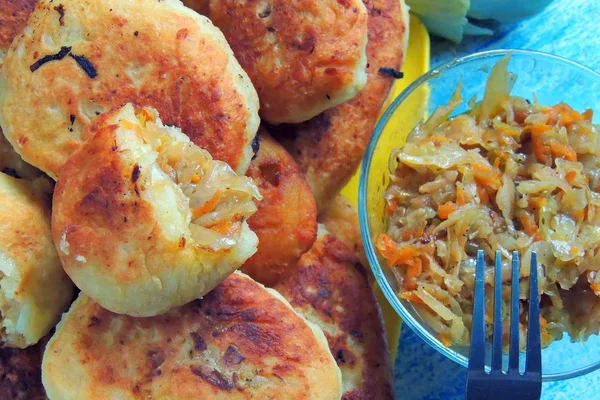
497 384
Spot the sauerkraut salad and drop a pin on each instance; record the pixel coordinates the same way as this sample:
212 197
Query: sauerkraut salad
507 175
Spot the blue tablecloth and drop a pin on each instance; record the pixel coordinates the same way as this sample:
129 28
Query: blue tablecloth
568 28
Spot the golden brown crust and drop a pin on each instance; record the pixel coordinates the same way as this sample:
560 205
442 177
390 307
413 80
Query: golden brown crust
331 288
21 372
341 220
330 147
286 220
183 68
13 19
94 201
122 226
239 342
303 56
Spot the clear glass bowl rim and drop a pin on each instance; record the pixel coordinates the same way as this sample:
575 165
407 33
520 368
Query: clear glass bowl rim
363 212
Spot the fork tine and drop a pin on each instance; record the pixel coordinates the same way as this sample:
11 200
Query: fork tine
477 356
497 340
513 353
534 355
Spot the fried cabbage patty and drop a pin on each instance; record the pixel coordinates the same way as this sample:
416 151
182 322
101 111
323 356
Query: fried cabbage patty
331 288
303 56
34 289
145 220
241 341
330 146
77 59
286 219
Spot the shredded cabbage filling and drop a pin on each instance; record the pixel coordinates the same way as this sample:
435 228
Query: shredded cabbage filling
507 175
219 200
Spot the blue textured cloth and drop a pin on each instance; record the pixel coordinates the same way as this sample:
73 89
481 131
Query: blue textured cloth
568 28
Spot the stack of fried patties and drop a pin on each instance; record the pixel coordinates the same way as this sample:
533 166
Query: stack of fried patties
135 182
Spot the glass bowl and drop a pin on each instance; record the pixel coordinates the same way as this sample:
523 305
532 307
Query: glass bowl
552 79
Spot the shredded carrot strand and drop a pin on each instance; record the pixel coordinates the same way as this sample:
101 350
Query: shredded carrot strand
391 206
546 337
563 150
483 195
486 176
408 256
509 131
222 227
445 339
444 210
412 297
530 227
387 247
403 254
144 116
415 267
567 114
536 203
460 196
540 149
208 206
570 176
520 117
407 235
497 163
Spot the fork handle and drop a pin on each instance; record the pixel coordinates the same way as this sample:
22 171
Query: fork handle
486 390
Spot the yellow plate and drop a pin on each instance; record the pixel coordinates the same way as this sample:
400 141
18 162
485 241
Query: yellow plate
416 64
